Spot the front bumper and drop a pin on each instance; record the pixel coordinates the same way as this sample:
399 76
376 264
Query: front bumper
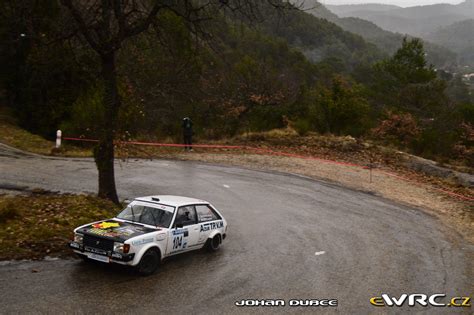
114 256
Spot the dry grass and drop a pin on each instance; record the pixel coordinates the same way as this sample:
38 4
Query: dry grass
271 134
40 225
17 137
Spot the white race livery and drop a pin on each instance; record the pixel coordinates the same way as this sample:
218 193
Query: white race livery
150 229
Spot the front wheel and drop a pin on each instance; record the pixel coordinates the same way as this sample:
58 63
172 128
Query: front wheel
149 262
214 243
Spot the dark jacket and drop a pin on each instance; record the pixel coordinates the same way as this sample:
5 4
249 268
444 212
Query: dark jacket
187 127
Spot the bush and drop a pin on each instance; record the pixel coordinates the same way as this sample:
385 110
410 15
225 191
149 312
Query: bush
435 143
8 210
86 113
302 126
339 109
400 128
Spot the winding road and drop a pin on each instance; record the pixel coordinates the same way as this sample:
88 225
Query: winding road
289 237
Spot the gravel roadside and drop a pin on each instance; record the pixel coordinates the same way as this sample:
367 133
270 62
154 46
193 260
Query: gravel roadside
451 211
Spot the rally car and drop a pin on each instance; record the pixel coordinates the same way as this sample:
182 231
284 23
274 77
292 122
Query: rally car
150 229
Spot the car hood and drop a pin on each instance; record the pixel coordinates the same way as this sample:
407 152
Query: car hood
117 230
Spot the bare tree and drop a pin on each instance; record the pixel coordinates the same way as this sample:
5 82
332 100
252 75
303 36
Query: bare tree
105 24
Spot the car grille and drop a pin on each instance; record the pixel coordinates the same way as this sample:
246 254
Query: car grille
98 242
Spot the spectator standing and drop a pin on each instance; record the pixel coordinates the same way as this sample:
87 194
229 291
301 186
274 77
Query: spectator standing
188 133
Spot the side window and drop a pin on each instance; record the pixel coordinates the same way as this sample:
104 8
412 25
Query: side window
205 213
186 216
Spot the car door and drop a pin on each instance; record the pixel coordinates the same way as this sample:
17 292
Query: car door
184 234
208 220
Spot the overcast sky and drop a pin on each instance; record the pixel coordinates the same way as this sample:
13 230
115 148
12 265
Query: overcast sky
402 3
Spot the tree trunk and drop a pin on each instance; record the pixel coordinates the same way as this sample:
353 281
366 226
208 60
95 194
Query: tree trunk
104 152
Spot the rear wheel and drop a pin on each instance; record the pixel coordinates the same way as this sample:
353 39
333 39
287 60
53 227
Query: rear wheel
214 243
149 262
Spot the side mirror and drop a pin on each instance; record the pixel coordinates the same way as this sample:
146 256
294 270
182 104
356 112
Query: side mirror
178 225
127 201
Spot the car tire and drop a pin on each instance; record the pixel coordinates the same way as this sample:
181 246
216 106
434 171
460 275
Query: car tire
149 262
213 244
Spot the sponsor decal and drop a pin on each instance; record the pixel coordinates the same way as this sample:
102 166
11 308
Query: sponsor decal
290 303
163 207
211 226
103 232
95 250
182 231
180 239
124 230
205 217
105 225
117 255
116 229
142 241
179 242
418 299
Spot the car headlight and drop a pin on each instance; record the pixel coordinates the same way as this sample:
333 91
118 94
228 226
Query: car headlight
121 247
78 238
118 247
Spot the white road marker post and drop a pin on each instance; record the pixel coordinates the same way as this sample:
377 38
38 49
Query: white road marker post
58 139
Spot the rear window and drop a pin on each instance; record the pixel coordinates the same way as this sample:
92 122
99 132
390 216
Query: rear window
206 213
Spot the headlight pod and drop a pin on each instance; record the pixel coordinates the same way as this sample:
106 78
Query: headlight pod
78 238
121 247
118 247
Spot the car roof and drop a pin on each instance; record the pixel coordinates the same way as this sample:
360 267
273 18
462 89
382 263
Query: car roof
169 200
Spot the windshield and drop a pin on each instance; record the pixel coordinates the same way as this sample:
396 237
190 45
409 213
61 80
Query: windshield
147 214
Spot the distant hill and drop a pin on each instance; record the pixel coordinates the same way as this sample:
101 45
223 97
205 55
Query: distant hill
321 38
417 21
387 41
349 8
458 37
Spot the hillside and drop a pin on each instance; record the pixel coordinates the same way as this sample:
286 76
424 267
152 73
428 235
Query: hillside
319 37
386 41
417 21
459 37
345 9
245 58
239 74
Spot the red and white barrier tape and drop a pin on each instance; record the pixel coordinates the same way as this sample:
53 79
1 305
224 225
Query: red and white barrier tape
268 151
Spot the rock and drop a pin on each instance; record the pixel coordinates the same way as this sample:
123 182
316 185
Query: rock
431 168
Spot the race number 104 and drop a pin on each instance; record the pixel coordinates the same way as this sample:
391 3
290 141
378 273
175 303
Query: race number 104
292 303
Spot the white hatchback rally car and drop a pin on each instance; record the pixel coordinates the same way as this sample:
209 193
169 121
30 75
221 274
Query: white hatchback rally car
150 229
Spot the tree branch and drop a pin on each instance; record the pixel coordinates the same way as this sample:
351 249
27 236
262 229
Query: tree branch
141 26
82 25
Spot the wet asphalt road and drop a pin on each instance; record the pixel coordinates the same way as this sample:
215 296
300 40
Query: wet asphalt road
277 223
